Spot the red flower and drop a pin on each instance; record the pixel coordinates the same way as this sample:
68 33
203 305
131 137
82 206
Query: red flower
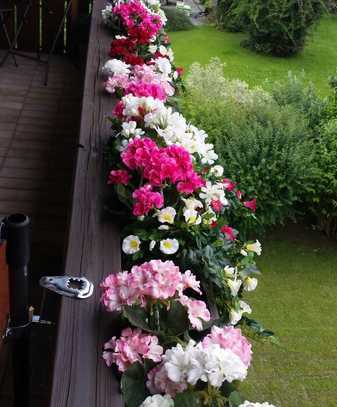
238 194
214 224
216 205
228 232
228 184
250 205
180 71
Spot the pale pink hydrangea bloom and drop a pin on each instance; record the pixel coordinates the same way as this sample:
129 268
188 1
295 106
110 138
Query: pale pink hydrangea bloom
231 338
116 82
197 311
133 346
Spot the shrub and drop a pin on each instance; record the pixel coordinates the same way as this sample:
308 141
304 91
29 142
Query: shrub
323 202
232 15
280 27
263 146
177 20
303 97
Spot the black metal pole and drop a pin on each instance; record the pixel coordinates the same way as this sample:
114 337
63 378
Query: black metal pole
18 256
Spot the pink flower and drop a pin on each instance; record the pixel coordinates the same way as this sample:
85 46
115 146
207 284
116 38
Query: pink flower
231 338
197 311
250 205
133 346
118 110
140 89
139 153
159 382
238 194
146 200
153 280
228 184
216 205
228 232
119 177
116 82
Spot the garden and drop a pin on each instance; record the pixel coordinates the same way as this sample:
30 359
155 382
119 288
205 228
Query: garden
206 162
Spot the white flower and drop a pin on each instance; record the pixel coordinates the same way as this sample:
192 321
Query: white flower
251 404
146 104
120 37
116 67
234 286
152 245
153 49
169 246
254 247
211 364
243 252
236 314
192 217
192 203
250 283
217 170
229 271
131 244
166 215
158 401
163 227
129 129
212 192
163 65
222 364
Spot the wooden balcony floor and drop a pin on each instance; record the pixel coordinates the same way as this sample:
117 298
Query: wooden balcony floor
38 136
38 143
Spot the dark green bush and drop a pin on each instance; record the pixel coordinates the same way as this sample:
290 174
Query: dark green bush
232 15
177 20
263 146
280 27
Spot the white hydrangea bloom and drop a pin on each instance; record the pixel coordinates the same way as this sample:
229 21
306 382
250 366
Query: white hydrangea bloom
211 364
116 67
158 401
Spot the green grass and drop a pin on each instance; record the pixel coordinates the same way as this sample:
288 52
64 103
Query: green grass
297 298
318 60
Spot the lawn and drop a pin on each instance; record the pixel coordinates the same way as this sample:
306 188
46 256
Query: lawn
318 60
297 293
297 298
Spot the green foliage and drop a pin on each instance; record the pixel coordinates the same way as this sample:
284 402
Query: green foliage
263 146
303 97
133 385
177 20
323 202
232 15
280 27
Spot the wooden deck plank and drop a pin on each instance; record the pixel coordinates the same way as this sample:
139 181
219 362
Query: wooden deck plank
81 378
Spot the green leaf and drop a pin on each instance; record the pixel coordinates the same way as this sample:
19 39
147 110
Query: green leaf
133 385
137 316
235 399
176 320
187 399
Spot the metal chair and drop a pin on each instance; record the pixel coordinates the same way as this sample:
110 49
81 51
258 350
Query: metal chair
7 8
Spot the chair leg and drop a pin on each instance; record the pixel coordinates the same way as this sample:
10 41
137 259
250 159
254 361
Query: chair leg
52 49
5 31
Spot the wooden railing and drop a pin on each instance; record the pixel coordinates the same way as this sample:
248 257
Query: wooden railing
80 377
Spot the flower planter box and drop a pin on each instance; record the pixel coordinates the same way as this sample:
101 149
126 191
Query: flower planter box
80 377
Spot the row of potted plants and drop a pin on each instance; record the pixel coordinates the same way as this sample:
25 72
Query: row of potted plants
187 266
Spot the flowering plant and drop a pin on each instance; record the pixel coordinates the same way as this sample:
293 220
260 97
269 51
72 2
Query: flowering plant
179 206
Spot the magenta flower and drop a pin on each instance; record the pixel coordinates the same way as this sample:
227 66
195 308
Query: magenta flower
119 177
250 205
228 232
146 200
